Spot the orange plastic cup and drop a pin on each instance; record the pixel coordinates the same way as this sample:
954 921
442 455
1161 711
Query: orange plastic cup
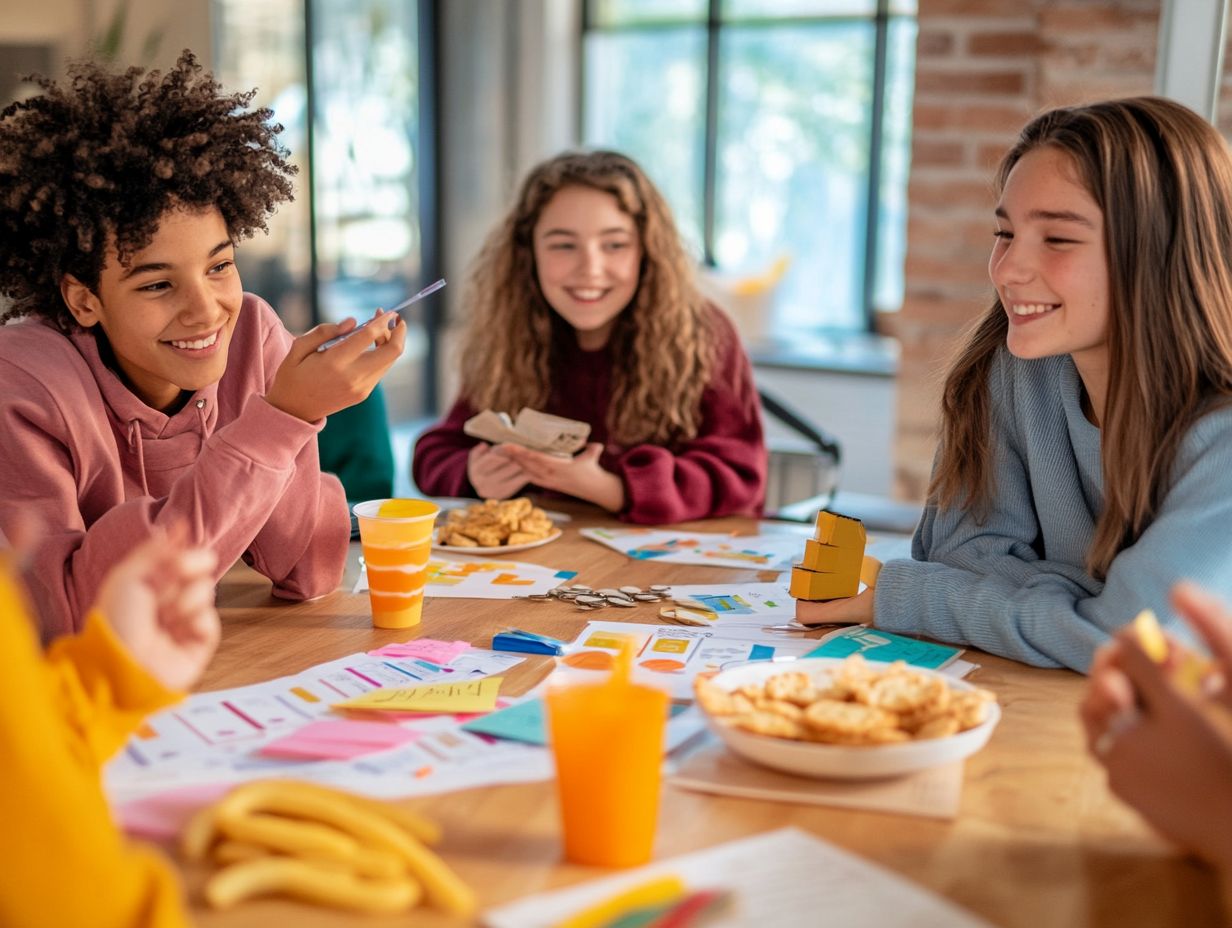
396 535
607 739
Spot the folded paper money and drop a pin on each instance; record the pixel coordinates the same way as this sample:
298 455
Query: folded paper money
531 429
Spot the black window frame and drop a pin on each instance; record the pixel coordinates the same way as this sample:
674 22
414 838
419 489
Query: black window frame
714 25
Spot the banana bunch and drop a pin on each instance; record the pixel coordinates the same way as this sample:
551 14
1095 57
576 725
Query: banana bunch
323 846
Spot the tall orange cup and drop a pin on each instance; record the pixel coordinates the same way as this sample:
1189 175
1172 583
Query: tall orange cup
607 739
396 535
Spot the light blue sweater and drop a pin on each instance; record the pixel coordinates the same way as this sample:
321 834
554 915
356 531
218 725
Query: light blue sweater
1015 585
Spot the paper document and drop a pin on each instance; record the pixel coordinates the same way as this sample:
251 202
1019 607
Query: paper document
532 429
784 877
671 656
751 552
467 578
219 736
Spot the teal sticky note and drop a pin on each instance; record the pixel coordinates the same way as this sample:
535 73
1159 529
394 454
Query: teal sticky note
523 721
877 645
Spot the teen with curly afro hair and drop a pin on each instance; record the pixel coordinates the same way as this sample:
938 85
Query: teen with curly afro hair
139 384
582 303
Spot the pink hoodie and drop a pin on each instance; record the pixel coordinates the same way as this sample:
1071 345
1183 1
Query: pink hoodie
97 468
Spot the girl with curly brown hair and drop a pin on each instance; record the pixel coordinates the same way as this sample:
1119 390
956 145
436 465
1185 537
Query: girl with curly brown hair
143 386
582 304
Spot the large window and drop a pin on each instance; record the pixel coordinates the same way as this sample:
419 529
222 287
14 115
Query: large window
350 82
777 129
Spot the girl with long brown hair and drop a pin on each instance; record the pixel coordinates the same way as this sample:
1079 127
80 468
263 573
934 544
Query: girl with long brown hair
1083 463
582 304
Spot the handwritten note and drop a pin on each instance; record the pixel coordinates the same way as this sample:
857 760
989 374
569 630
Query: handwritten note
465 696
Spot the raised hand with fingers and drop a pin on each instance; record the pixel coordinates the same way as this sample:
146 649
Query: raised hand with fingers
159 601
1167 744
312 384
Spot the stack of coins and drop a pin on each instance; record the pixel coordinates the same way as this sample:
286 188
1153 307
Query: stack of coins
587 599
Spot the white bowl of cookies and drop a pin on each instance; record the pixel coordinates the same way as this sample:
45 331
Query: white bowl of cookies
846 719
495 526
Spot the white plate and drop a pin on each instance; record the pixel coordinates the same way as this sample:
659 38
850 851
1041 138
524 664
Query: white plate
499 549
811 759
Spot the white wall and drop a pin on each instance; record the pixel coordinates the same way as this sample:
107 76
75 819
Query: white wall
69 25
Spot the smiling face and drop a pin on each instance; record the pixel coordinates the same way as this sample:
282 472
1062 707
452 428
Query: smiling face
169 313
1049 265
587 256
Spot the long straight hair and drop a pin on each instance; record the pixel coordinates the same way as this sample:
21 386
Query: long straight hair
1162 177
664 339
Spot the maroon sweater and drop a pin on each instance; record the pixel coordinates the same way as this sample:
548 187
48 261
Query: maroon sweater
721 471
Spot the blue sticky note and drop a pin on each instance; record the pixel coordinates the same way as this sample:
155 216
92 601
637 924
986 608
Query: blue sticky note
877 645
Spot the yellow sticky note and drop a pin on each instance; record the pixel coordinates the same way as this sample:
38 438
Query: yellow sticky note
468 696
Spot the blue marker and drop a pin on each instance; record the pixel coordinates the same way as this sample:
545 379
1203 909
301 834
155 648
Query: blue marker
515 639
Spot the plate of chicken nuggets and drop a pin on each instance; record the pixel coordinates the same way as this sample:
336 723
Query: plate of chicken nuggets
847 719
495 526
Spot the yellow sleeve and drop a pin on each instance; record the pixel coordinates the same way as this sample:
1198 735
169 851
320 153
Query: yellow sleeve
102 693
63 861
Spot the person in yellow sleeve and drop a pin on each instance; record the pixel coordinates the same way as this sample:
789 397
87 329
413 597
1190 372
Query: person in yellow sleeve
150 634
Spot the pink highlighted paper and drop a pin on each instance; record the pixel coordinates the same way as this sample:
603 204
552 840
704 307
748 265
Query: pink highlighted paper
338 740
425 649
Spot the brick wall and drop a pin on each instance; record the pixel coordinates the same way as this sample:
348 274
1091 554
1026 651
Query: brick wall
984 68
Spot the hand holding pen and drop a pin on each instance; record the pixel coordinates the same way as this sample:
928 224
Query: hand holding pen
426 291
311 384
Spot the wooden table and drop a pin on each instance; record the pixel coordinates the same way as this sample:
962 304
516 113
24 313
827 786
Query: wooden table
1038 840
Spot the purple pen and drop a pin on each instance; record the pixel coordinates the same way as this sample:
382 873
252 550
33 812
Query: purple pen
426 291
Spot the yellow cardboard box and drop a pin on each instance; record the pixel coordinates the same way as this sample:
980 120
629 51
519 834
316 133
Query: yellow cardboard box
840 531
831 559
814 584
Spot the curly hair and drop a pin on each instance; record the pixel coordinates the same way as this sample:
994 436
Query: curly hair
97 162
665 336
